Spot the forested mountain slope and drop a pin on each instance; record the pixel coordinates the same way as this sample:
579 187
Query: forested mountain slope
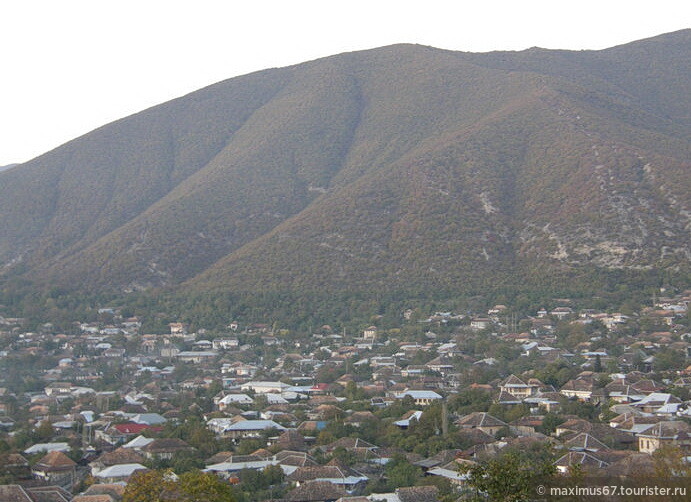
400 167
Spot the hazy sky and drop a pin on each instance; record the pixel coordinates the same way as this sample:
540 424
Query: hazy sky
70 66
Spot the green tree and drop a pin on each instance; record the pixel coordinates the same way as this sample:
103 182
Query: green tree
597 366
550 423
509 478
192 486
146 486
668 359
198 486
399 473
44 432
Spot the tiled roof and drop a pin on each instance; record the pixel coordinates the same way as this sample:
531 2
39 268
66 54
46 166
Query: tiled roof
131 428
120 456
418 494
585 441
669 430
317 472
120 471
479 419
580 458
93 498
513 381
315 491
166 445
14 493
114 489
633 464
55 460
349 443
507 397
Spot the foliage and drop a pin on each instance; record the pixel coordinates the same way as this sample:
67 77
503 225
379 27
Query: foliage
669 462
400 473
192 486
261 485
511 477
550 422
669 359
469 401
146 486
197 486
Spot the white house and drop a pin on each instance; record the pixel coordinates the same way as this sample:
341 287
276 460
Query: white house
421 397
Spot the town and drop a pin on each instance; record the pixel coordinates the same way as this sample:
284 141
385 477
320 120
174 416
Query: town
402 413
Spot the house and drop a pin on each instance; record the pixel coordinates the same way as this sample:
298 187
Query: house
333 472
58 388
137 443
148 419
17 493
674 433
632 465
481 421
517 387
118 473
196 356
249 428
56 468
561 312
231 465
178 328
14 466
480 323
315 491
579 388
264 387
114 353
359 418
120 433
527 425
232 400
421 397
47 447
359 447
292 440
370 333
407 418
119 456
225 343
166 448
506 398
112 490
585 442
441 364
654 402
239 369
587 461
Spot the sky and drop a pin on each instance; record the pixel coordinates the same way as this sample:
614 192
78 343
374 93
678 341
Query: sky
70 66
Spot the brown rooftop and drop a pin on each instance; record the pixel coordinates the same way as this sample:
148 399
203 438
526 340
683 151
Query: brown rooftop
55 461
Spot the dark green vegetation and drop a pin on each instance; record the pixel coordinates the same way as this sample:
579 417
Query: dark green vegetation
404 169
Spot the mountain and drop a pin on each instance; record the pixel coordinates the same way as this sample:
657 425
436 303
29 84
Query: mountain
403 167
2 168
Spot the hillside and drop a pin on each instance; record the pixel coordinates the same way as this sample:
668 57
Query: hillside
404 167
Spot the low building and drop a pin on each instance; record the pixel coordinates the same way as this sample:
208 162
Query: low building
674 433
56 468
421 397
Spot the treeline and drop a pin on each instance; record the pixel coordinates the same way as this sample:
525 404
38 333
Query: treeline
303 311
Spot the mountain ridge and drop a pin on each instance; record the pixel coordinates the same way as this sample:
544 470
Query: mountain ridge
248 183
